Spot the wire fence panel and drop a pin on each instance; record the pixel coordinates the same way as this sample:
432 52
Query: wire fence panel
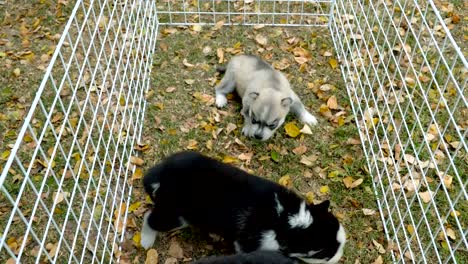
248 12
66 182
406 78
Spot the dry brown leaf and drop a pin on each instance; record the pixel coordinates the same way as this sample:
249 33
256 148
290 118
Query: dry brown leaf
170 89
367 211
261 40
230 127
175 250
309 160
327 87
348 181
187 64
246 156
378 246
170 260
306 130
136 161
450 233
332 102
300 150
353 141
220 54
379 260
152 256
356 183
426 196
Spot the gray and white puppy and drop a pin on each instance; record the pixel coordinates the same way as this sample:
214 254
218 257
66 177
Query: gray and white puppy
266 96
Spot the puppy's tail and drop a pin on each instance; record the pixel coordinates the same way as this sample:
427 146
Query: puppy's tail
221 69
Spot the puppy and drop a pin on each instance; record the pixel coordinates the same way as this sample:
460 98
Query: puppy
252 212
266 96
256 257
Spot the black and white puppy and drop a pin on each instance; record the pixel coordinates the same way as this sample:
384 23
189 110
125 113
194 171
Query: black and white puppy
254 213
255 257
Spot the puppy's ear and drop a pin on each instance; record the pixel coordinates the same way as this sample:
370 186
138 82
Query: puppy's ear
253 95
286 102
323 206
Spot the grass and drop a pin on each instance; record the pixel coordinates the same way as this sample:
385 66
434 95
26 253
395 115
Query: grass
175 109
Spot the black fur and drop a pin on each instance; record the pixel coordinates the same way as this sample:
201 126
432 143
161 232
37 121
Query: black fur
223 199
256 257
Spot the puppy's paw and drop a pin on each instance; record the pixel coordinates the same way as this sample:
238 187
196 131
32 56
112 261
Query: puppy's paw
246 131
221 100
309 119
148 235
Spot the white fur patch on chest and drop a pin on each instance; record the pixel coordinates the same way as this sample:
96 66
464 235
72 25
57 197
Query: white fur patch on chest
302 219
268 241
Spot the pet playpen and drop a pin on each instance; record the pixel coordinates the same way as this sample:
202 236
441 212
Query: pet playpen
65 186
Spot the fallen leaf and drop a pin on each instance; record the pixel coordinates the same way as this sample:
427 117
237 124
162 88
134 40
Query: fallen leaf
136 239
192 144
17 72
175 250
5 154
189 81
52 249
333 63
368 211
379 260
209 144
426 196
285 181
455 213
450 233
309 160
306 130
410 229
230 127
59 196
10 261
274 156
356 183
324 189
378 246
353 141
332 102
229 159
220 54
327 54
348 181
260 39
245 156
327 87
197 28
170 260
292 130
170 89
138 174
134 206
300 150
152 256
136 161
187 64
309 197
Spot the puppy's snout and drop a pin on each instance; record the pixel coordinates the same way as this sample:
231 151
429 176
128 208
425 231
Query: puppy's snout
258 136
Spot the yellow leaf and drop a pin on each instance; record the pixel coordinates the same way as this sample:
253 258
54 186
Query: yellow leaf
333 174
160 106
192 144
455 213
325 111
310 197
348 181
237 45
122 100
229 159
285 181
324 189
333 63
292 130
5 155
137 239
134 206
444 245
197 28
410 229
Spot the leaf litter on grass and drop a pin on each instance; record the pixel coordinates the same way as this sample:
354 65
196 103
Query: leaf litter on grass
298 158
